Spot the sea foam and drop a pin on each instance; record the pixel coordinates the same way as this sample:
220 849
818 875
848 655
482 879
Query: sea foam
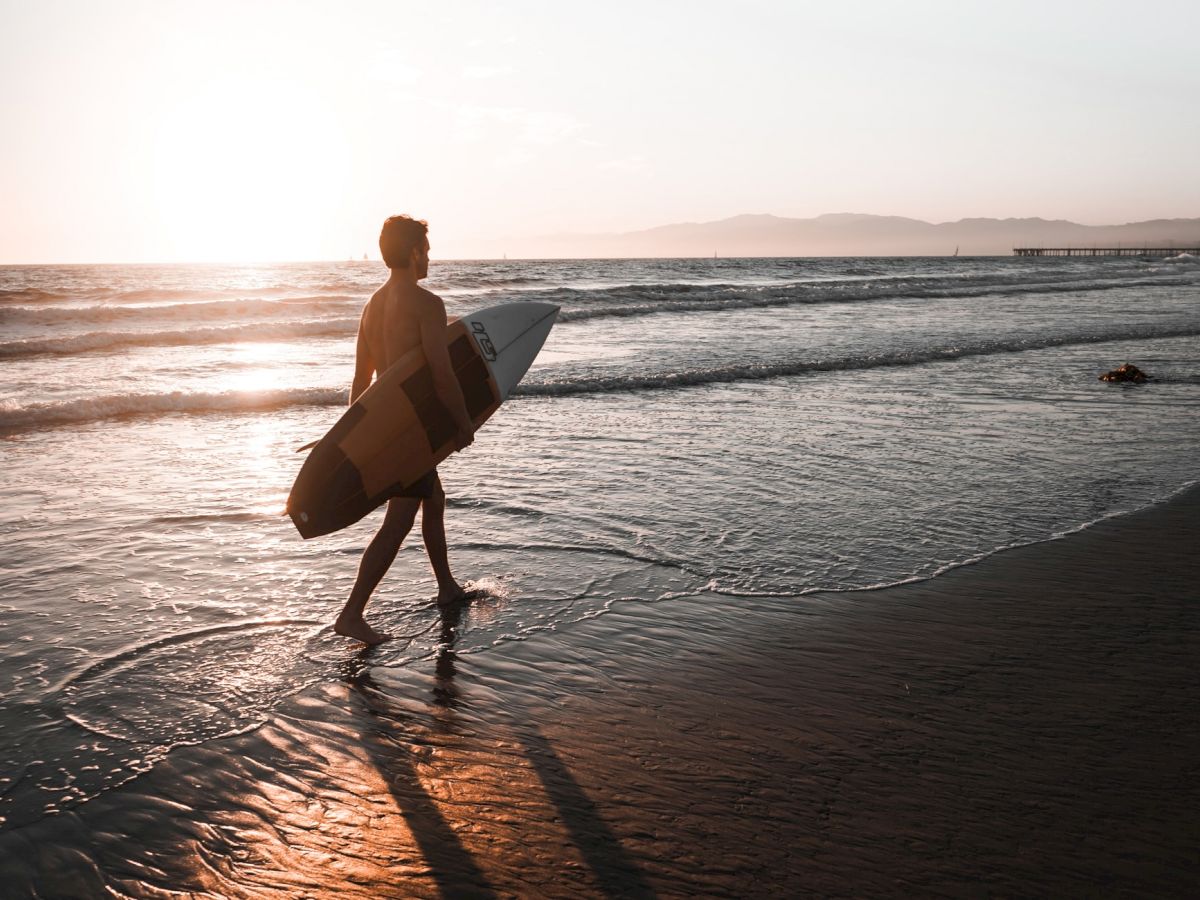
97 341
15 416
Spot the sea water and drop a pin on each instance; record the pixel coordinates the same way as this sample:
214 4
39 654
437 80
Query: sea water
747 427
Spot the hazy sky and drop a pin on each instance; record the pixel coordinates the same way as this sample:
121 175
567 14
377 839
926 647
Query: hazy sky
162 130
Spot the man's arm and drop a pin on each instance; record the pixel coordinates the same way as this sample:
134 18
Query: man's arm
445 383
364 365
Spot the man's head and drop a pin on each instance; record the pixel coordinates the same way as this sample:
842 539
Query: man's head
404 240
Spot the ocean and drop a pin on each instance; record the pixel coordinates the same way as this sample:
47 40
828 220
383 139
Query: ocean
754 428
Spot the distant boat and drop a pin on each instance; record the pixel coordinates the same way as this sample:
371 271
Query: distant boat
956 249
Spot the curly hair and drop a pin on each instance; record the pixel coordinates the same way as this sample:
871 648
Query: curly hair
401 235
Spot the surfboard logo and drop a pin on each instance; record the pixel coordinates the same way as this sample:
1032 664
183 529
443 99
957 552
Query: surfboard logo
486 347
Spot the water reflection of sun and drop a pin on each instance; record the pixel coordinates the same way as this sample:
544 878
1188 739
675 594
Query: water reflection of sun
256 367
269 464
261 372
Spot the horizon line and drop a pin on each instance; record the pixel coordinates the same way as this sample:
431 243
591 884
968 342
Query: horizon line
583 237
491 259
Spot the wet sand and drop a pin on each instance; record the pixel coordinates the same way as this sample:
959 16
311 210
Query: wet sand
1027 725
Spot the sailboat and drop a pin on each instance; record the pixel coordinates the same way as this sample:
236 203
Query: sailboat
956 249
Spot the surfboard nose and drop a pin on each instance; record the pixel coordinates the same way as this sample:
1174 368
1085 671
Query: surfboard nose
514 333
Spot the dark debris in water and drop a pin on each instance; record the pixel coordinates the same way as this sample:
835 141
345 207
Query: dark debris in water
1128 373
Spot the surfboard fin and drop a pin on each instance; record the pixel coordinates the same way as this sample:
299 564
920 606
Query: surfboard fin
307 446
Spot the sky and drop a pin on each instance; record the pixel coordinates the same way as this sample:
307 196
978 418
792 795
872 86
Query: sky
181 131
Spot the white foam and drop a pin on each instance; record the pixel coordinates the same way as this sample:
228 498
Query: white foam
642 300
760 371
15 416
98 341
215 311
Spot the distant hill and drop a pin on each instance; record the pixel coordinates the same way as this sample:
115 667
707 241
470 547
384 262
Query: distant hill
850 234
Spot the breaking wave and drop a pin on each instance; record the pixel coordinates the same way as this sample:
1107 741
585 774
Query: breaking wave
764 371
15 416
18 417
200 310
325 315
96 341
650 299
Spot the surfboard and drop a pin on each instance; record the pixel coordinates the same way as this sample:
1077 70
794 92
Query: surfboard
398 430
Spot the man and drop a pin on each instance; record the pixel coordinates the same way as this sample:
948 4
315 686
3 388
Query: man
399 316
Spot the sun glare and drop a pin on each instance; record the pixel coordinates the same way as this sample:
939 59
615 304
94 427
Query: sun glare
243 174
257 367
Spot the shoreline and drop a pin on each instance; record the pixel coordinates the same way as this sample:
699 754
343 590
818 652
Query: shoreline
1021 724
1147 507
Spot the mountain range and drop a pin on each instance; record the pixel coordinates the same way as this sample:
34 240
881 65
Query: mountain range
852 234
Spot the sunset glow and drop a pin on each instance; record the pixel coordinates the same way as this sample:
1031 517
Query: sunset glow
241 165
282 131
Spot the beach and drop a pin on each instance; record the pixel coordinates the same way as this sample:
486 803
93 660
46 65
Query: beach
1024 725
789 576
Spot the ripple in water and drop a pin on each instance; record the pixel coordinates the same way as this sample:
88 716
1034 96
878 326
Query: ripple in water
197 686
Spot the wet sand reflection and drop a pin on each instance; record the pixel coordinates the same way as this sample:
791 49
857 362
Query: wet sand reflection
452 865
875 744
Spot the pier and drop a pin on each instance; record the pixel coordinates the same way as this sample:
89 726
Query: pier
1105 251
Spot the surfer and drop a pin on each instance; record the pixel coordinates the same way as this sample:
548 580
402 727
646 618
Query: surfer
399 316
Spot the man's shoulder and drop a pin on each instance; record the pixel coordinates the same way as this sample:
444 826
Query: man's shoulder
428 296
415 301
380 296
427 302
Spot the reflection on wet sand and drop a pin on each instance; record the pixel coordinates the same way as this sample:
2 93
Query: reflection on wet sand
450 862
383 783
445 691
869 744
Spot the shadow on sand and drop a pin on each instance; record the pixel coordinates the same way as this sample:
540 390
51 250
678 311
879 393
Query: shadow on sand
453 868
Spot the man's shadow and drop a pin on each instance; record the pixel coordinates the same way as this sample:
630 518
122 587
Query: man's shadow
453 867
450 863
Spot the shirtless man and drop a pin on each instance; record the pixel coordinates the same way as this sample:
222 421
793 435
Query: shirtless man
399 316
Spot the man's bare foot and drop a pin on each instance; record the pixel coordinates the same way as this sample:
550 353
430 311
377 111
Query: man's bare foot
450 593
360 631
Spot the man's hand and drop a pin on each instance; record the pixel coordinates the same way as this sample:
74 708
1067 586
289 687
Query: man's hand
463 438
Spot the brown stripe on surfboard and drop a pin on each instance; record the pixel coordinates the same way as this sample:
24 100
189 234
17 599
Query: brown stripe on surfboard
439 426
473 377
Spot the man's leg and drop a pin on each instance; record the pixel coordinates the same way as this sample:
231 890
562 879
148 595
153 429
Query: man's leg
433 530
376 560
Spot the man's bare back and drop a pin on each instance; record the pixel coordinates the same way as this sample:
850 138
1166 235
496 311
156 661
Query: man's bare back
390 322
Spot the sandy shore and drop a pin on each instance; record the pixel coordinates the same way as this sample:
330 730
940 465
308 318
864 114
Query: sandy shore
1027 725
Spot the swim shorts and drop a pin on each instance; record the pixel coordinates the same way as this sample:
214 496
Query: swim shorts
423 487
